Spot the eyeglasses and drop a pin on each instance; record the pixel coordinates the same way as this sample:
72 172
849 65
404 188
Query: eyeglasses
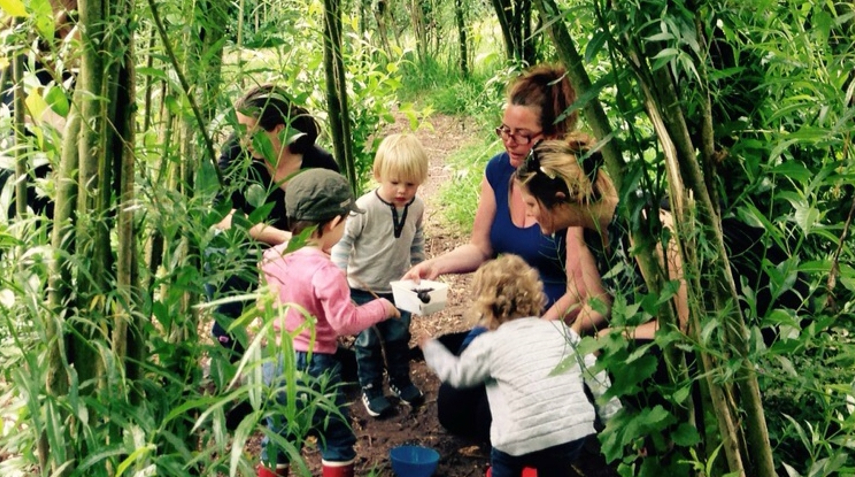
505 133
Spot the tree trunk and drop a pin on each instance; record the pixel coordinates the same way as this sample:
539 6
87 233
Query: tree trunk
96 152
717 268
381 16
419 22
515 21
663 107
682 165
20 139
337 90
460 19
128 340
503 14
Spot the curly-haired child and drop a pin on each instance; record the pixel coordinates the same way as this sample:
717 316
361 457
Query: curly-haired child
541 417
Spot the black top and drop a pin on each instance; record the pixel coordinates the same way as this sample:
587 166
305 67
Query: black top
41 205
619 271
251 183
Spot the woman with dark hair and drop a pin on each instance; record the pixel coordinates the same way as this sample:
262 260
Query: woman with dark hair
280 138
276 138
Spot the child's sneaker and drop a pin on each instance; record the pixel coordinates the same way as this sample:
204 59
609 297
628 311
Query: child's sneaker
375 402
407 392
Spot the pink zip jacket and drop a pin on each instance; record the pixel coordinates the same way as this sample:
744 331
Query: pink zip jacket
307 277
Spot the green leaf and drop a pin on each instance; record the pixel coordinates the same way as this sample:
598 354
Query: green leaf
13 8
685 435
816 266
650 419
595 45
794 170
787 366
300 241
627 377
57 101
667 53
806 217
256 195
137 454
241 435
153 72
780 147
583 99
664 36
36 105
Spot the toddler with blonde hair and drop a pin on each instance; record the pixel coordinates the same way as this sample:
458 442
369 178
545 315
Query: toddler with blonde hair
378 247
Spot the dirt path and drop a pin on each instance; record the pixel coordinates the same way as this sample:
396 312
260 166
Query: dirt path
458 457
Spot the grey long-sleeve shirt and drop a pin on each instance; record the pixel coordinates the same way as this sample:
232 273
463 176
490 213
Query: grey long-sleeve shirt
533 407
369 250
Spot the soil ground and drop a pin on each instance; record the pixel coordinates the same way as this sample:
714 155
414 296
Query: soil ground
458 457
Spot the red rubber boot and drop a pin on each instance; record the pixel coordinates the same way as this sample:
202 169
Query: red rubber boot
337 469
262 471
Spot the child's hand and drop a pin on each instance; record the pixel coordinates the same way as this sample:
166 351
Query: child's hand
422 339
391 310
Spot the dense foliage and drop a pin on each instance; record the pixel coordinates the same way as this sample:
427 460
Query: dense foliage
768 98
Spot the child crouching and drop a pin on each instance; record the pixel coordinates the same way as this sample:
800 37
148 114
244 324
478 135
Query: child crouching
541 418
308 279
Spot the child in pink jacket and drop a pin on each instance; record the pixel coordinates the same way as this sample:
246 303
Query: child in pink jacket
308 279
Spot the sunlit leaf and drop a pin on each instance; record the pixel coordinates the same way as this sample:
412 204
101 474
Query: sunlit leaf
13 8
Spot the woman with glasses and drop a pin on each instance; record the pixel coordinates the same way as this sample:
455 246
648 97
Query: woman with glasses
535 110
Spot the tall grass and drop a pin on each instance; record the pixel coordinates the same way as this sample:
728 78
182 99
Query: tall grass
477 98
460 195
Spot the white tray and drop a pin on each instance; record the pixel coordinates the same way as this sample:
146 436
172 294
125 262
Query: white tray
406 296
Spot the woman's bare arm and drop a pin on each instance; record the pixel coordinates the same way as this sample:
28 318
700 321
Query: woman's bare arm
468 257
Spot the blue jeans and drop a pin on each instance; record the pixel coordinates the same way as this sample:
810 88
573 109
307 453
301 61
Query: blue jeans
550 462
335 436
393 336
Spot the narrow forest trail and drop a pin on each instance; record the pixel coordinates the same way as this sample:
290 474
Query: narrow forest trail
375 437
459 457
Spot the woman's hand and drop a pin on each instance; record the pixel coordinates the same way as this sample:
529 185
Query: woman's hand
424 270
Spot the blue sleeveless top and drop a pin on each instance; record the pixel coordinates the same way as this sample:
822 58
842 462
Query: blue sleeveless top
545 253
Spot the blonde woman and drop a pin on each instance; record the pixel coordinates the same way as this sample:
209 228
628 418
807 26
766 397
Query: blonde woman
564 187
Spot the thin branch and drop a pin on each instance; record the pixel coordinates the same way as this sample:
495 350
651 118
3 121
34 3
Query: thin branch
197 113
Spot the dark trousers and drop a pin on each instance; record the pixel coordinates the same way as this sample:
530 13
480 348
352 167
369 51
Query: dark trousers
463 412
335 436
554 461
391 336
